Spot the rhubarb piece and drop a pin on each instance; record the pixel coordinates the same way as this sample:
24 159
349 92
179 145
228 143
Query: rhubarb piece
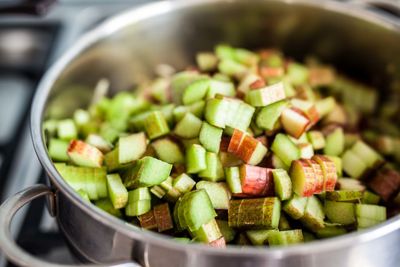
239 114
232 175
338 164
131 147
363 223
219 243
162 217
285 149
66 130
210 137
196 91
282 184
350 184
117 191
195 159
260 213
218 193
313 217
227 232
247 148
99 142
369 215
269 115
106 205
303 178
139 202
216 112
294 122
180 81
196 109
207 61
111 160
331 231
325 106
58 149
197 209
284 238
308 109
84 155
340 212
353 165
344 195
316 139
245 82
168 151
266 96
277 163
232 68
259 237
84 195
214 170
386 183
369 156
188 127
370 198
183 183
306 150
229 160
335 143
156 125
295 207
220 88
298 74
256 181
329 171
148 221
319 176
149 171
208 232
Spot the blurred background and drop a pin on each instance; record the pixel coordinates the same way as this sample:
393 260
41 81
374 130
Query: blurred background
33 34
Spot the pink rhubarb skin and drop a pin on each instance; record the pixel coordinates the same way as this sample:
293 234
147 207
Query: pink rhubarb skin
78 149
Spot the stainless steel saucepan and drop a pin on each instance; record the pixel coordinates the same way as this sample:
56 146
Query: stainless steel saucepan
356 38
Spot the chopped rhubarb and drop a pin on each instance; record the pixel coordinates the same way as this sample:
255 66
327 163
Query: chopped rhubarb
247 148
319 177
85 155
303 178
329 171
266 95
256 181
163 218
294 122
386 183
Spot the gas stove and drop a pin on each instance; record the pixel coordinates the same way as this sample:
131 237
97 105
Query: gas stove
28 46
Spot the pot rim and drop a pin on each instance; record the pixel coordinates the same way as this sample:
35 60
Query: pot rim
148 11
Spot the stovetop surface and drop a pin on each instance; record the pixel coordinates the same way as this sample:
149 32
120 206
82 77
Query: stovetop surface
28 46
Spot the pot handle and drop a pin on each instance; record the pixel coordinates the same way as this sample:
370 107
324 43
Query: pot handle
7 243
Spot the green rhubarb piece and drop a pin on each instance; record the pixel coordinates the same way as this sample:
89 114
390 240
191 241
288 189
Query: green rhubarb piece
277 163
218 192
141 193
109 133
182 240
99 142
259 237
370 198
266 96
344 195
350 184
58 149
156 125
260 213
331 231
368 155
373 212
81 117
208 232
363 223
206 61
325 106
159 90
245 56
117 191
297 73
338 164
188 127
269 115
180 81
197 209
196 109
220 88
334 143
50 127
196 91
233 179
66 130
183 183
138 208
295 207
284 238
317 139
340 212
195 159
239 115
314 215
285 149
214 170
231 68
216 112
158 191
189 142
353 165
111 160
83 195
168 151
282 184
131 147
210 137
227 232
224 51
106 205
149 171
